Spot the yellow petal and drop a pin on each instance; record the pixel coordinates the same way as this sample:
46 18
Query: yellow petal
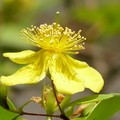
22 76
22 57
31 73
71 76
91 77
64 77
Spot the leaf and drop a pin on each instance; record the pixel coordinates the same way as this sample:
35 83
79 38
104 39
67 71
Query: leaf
84 118
7 115
69 111
88 109
3 96
106 108
21 108
89 99
64 102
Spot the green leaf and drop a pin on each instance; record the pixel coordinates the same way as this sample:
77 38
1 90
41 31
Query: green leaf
88 109
64 102
21 108
8 115
6 105
82 118
89 99
106 108
3 96
69 111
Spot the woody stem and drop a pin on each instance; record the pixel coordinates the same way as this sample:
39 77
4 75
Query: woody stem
53 86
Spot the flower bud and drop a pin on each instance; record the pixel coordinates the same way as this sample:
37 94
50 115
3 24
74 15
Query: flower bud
48 99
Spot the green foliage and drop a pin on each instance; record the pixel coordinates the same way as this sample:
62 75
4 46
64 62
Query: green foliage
8 115
48 99
3 95
21 107
50 102
102 105
79 119
102 17
89 99
104 109
105 17
65 101
69 111
88 109
63 104
6 106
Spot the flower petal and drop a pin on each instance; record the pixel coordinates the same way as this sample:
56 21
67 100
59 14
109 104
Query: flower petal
22 76
91 77
65 78
71 76
31 73
22 57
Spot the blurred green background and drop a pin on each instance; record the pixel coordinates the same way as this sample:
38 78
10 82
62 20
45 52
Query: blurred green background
99 21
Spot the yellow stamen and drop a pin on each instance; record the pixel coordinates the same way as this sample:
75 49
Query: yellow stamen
52 38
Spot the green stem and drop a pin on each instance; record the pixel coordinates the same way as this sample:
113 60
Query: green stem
57 17
48 118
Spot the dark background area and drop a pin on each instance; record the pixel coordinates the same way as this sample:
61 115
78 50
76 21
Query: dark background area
99 21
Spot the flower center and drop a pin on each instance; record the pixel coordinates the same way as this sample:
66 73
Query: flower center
54 38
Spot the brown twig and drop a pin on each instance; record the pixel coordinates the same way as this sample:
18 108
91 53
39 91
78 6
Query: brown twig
56 96
35 114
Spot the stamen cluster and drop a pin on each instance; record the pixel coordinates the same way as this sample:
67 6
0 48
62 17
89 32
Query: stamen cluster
54 38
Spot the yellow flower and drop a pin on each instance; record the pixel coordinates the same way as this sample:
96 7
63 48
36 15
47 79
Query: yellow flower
69 75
